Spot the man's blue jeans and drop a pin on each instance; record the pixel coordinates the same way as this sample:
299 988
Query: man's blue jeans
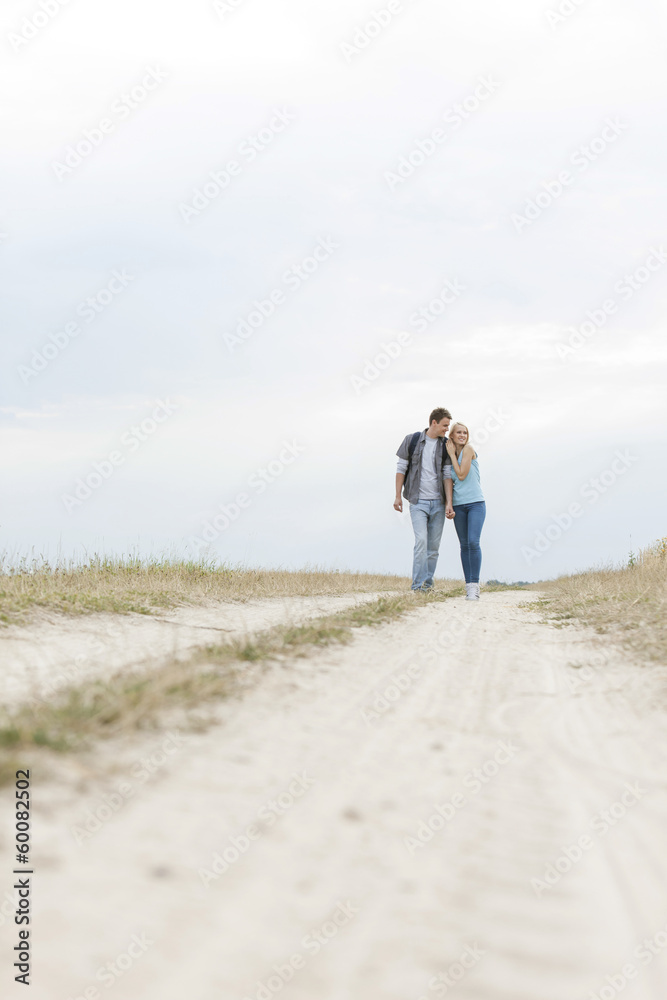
468 523
428 518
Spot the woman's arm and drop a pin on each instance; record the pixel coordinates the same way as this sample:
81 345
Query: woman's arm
466 457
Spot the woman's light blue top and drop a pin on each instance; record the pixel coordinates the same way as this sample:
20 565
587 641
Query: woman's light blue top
468 490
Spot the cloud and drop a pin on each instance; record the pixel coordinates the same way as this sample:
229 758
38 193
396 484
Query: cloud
450 220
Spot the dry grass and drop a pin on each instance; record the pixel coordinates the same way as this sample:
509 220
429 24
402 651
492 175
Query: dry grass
132 584
126 702
629 604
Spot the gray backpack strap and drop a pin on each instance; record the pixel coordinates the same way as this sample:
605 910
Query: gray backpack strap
411 447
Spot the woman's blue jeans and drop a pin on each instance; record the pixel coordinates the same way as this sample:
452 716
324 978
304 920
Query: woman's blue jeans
468 523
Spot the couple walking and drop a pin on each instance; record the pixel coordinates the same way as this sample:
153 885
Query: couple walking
439 477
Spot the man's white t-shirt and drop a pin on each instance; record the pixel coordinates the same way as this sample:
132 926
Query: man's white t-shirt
429 488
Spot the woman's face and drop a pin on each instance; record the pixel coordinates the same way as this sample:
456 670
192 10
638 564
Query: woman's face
460 435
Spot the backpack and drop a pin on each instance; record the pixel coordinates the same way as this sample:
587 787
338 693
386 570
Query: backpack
411 448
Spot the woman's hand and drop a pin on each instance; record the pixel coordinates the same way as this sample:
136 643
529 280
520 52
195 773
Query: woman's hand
449 512
451 448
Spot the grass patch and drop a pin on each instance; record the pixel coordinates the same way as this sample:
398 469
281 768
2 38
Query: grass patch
628 603
98 709
146 585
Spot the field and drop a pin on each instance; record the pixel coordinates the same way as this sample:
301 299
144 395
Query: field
628 604
256 752
131 584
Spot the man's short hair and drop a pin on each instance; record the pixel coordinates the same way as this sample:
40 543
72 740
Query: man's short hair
439 414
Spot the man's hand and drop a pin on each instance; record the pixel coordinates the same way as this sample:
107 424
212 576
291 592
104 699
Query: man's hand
398 504
449 512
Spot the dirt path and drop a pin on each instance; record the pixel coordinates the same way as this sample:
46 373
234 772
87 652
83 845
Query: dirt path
446 807
57 650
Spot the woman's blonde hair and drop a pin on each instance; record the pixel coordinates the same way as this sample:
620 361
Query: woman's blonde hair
453 428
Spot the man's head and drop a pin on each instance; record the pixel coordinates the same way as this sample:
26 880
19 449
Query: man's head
438 422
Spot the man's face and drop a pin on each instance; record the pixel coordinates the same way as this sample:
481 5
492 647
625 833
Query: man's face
441 429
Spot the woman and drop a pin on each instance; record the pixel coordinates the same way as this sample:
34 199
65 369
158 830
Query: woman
469 506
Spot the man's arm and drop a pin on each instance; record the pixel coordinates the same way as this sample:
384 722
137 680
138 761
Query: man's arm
398 502
403 455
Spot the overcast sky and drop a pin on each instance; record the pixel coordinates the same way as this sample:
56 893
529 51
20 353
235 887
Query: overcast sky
471 195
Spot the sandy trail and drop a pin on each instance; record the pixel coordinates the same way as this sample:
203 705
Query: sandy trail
502 743
48 654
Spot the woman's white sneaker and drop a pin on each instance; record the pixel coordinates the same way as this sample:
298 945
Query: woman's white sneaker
476 586
470 592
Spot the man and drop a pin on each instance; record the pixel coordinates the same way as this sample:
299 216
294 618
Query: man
420 473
